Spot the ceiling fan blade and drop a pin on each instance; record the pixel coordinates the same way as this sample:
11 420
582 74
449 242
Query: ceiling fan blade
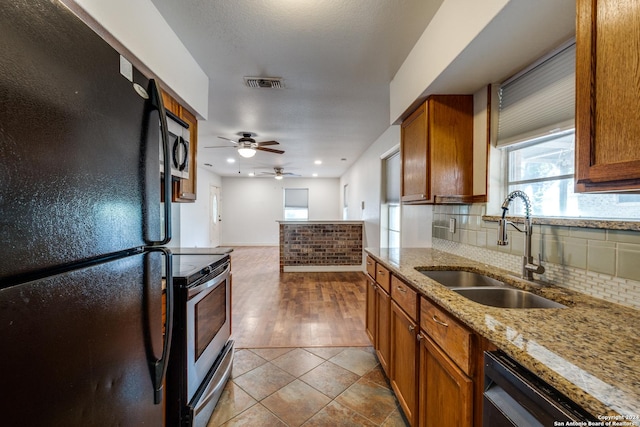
263 143
271 150
228 139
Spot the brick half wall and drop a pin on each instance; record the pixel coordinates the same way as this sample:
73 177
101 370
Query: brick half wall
320 245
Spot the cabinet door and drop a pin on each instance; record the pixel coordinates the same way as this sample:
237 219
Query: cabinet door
414 157
371 267
445 392
371 311
450 141
171 104
403 361
184 190
607 101
383 328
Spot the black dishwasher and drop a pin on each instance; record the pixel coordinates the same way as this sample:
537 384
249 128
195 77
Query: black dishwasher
514 396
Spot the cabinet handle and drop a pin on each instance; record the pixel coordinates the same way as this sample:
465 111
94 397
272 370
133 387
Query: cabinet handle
418 337
412 328
380 272
439 322
401 289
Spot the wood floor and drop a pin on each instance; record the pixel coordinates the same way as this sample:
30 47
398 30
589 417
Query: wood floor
273 309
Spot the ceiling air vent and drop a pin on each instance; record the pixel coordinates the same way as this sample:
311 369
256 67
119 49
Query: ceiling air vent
264 82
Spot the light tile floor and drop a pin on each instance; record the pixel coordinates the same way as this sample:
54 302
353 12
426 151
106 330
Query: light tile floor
324 386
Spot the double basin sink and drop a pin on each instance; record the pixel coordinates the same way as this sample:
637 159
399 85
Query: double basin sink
488 291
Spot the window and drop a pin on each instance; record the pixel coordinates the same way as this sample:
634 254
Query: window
345 202
390 209
296 204
536 133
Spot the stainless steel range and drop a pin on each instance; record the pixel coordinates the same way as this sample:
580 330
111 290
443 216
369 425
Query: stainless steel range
201 355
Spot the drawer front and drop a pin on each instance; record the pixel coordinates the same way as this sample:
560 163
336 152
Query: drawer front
371 267
448 333
405 297
383 277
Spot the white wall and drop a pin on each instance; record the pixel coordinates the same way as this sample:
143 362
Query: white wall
456 24
471 43
138 25
364 178
364 181
250 207
193 228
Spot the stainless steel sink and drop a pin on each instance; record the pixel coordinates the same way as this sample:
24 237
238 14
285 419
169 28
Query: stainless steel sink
507 298
461 279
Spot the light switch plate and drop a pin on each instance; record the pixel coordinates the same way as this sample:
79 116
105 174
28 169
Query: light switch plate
452 225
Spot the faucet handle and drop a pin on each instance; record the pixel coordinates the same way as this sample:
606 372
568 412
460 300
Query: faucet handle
540 268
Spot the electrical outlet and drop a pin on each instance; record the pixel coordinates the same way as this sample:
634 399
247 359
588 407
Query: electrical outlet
452 225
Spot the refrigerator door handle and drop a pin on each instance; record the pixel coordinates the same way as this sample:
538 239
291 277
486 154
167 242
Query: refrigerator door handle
156 102
159 366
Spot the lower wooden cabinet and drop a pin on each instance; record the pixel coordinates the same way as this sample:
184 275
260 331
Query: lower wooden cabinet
404 352
370 319
445 392
433 361
377 320
383 329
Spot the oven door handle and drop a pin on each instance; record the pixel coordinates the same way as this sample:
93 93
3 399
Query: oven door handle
217 381
211 283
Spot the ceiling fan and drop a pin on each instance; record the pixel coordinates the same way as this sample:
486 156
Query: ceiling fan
279 173
247 146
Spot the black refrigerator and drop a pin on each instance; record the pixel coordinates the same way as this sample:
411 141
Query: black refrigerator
81 227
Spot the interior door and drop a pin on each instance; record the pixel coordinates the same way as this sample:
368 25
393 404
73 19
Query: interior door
214 216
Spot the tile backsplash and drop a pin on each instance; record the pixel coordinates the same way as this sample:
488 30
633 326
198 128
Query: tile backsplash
603 263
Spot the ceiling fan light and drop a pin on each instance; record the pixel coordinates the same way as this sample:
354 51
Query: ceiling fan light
246 152
278 177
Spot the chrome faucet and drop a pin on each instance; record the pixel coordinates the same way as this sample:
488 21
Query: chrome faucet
528 266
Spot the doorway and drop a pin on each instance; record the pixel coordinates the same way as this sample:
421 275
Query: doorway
214 216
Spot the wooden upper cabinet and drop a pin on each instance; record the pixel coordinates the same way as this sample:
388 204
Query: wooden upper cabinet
171 104
414 156
607 95
437 151
184 190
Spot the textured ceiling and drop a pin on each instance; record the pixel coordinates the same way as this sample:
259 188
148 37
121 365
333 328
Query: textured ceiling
336 59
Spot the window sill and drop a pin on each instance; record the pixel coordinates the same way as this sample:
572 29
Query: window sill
607 224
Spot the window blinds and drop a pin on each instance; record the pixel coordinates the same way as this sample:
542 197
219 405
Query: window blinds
296 198
540 101
393 172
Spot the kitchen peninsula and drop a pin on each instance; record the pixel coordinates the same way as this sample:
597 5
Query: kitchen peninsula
587 351
321 245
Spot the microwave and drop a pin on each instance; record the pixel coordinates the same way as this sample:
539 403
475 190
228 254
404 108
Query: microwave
178 134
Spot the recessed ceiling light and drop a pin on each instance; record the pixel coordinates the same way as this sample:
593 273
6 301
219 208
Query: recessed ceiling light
231 160
318 162
314 175
252 174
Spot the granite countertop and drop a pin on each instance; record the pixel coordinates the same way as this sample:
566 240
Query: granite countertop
590 350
